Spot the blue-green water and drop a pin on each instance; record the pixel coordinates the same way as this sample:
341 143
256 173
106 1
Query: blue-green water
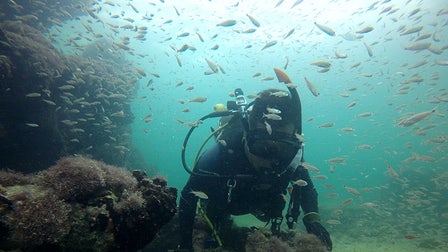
416 197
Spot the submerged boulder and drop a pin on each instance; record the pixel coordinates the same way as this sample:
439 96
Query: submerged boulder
84 205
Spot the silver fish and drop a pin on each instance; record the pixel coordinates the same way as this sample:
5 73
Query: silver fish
369 50
325 29
311 87
280 94
415 118
32 125
300 182
273 110
268 127
212 65
289 33
365 30
227 23
200 194
32 95
253 20
269 44
274 117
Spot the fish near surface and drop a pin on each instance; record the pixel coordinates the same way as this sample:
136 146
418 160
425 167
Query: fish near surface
369 50
296 3
212 65
289 33
227 23
365 30
321 63
250 30
269 44
267 78
412 30
278 3
325 29
311 87
253 20
282 76
418 46
406 122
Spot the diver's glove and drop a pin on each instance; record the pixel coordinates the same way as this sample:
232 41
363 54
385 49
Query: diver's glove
276 223
313 226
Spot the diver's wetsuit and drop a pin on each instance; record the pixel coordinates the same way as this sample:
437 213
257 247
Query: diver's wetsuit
253 194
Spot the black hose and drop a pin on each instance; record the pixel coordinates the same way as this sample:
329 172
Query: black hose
187 137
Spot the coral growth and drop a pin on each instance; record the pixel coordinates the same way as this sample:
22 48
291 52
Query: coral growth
25 41
82 204
39 219
132 200
74 178
9 178
262 240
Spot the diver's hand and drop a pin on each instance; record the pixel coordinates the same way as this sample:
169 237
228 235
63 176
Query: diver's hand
313 226
317 229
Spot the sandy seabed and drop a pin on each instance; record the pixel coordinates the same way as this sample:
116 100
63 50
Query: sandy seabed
367 245
344 243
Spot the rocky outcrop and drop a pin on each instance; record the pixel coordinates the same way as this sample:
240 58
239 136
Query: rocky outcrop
84 205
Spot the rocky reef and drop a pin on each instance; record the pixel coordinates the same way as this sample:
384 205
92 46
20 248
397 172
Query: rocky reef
81 204
54 105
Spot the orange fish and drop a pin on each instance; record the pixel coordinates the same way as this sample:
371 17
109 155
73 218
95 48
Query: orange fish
282 76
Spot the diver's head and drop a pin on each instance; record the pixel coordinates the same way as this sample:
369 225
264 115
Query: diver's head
271 142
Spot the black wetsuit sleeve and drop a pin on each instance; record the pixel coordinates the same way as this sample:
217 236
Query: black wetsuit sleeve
187 212
307 194
187 206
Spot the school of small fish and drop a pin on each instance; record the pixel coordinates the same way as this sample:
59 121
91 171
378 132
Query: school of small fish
369 80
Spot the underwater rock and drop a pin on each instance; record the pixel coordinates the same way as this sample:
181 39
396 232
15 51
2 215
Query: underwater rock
82 204
262 240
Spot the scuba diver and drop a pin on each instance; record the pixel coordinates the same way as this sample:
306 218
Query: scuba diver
256 160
